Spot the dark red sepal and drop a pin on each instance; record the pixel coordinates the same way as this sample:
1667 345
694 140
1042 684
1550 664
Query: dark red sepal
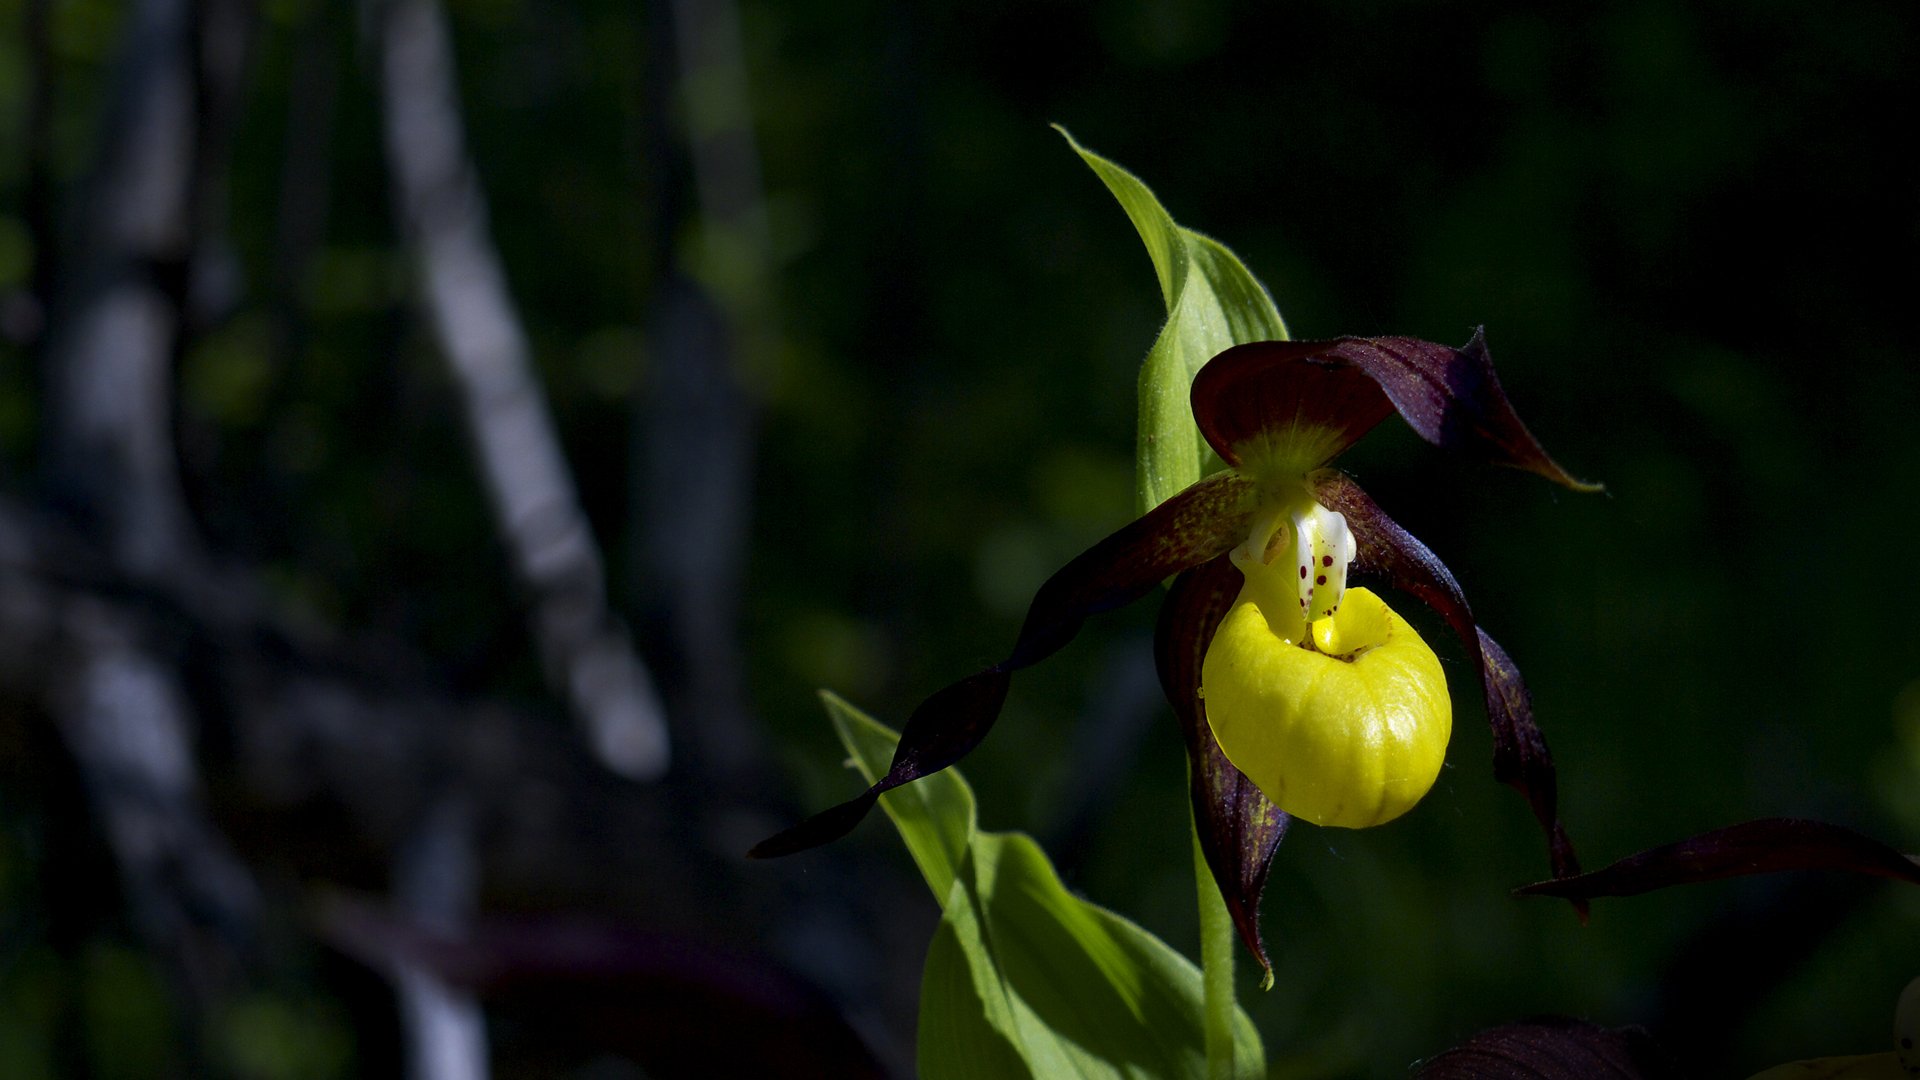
1239 829
1766 846
1192 527
1449 396
1520 756
1553 1048
1252 391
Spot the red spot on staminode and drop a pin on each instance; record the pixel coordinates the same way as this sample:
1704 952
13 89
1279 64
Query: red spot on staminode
1303 571
1321 580
1326 560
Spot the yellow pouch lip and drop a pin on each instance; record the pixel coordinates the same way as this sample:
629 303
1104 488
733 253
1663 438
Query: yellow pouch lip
1351 733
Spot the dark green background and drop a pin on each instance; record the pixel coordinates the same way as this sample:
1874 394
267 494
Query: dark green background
1688 229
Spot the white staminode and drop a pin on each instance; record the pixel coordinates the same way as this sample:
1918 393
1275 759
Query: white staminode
1322 547
1297 552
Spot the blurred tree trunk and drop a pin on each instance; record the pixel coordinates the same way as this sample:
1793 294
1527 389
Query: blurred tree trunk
442 210
215 735
437 881
116 318
110 463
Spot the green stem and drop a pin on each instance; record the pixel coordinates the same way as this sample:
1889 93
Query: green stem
1216 968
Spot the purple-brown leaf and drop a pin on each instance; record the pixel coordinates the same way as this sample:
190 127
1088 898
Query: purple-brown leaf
663 999
1449 396
1239 829
1185 531
1520 756
1766 846
1553 1048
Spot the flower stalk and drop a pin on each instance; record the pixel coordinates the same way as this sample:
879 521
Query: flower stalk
1216 966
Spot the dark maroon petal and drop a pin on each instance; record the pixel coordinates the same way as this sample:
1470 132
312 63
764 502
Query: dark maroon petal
1185 531
1199 523
1520 756
1766 846
1450 397
822 828
1553 1048
1239 829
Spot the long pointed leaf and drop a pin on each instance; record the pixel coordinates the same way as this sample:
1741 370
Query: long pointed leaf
936 817
1212 303
1023 977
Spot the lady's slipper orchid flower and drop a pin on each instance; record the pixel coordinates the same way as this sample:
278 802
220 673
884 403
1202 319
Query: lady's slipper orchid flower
1298 695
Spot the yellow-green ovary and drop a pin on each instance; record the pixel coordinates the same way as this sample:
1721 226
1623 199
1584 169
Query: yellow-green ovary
1353 739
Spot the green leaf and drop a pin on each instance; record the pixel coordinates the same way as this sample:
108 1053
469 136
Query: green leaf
1023 977
1212 302
934 813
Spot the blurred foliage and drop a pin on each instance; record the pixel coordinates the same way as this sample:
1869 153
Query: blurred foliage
1687 228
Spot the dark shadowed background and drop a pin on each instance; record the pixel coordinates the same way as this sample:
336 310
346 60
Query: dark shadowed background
322 746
